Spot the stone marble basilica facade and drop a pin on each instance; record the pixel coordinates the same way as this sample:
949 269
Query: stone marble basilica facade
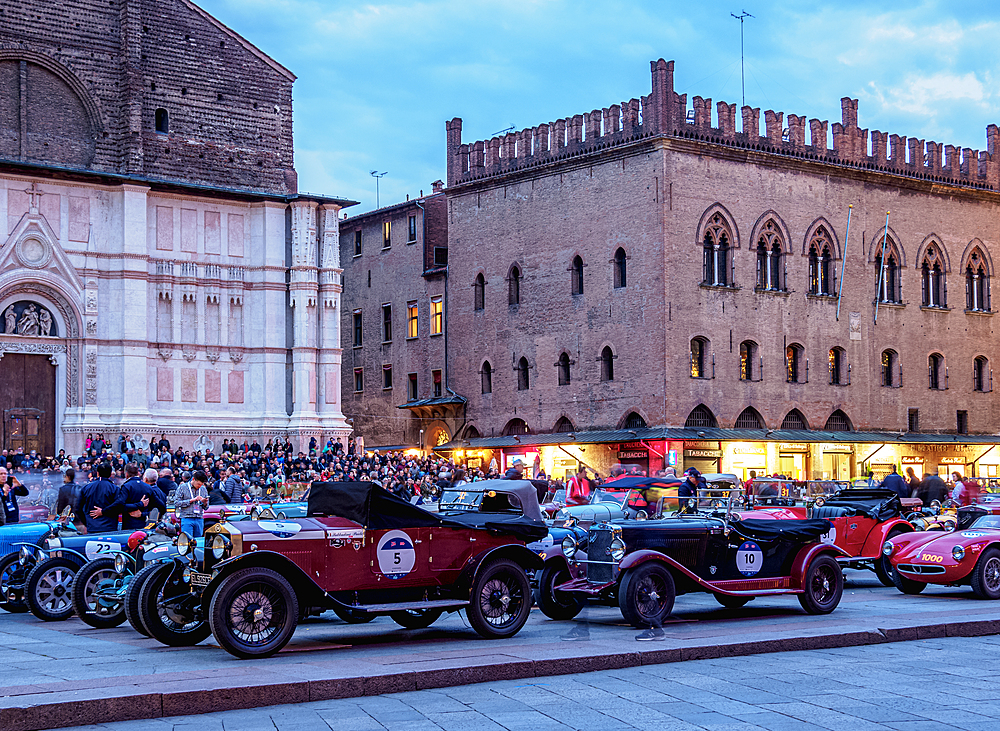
159 271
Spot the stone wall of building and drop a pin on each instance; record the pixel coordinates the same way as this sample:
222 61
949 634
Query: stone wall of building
638 177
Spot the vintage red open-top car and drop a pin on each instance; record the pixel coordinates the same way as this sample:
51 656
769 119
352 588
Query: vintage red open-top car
362 552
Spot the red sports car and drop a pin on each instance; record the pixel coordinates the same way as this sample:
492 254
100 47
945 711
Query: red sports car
970 556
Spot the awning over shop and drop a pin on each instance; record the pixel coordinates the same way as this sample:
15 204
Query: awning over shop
721 435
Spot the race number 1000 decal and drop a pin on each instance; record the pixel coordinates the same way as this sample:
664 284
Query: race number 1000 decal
396 555
749 558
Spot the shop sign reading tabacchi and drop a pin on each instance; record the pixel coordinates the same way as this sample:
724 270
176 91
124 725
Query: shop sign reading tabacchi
709 453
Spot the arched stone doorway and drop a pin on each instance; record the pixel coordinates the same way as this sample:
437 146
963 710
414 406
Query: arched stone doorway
39 367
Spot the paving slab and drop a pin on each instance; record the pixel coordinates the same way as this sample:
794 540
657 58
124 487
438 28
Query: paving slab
66 673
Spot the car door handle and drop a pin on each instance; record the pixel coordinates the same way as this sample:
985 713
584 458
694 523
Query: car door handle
472 539
417 540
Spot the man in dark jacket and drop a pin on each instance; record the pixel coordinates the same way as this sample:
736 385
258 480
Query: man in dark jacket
166 482
95 499
69 497
932 488
10 489
132 500
893 481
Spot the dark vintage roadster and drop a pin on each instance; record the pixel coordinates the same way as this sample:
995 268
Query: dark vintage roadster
362 552
642 565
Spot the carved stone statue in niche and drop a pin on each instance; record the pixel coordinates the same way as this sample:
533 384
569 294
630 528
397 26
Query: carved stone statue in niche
29 319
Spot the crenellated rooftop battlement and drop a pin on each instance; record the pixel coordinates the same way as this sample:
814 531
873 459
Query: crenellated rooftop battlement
665 113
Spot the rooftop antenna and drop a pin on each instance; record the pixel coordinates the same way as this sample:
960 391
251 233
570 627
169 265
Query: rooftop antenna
743 82
375 174
503 131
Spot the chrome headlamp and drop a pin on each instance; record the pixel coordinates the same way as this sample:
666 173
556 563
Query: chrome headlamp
185 544
25 555
617 549
53 543
220 545
958 553
121 563
186 575
888 548
569 546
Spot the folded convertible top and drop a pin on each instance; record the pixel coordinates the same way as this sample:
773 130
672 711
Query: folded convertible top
789 530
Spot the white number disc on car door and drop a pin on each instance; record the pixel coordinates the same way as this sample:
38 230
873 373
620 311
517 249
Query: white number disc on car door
94 549
396 555
749 558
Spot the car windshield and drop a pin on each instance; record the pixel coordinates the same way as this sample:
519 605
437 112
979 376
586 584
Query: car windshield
556 496
605 495
460 499
987 521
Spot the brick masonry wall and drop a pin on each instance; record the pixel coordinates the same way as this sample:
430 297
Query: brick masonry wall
650 198
109 67
395 277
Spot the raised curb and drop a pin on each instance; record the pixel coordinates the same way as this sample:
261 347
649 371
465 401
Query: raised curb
195 695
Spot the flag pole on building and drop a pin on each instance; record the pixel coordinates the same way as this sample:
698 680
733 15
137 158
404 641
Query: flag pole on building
843 260
881 271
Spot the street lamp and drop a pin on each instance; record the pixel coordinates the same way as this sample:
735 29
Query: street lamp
375 174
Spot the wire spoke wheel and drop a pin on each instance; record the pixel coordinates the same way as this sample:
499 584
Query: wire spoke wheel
12 574
650 597
646 595
823 585
256 614
500 599
991 573
985 577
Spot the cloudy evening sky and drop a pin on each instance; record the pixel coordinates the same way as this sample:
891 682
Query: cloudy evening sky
376 82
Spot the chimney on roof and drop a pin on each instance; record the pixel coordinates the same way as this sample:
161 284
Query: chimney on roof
437 186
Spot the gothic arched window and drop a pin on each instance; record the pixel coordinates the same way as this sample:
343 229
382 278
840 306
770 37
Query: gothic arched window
607 364
479 292
715 247
977 283
887 282
821 269
932 291
577 275
770 263
619 264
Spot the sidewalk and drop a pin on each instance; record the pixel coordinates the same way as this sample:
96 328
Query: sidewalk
64 674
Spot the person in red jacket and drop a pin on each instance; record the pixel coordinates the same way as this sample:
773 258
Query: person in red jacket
578 488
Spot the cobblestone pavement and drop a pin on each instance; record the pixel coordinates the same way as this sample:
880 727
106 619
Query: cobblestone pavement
922 685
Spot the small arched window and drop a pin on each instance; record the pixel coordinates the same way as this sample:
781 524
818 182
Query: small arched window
487 377
749 418
932 290
607 364
479 292
514 286
563 367
577 275
891 374
838 421
936 375
796 370
982 376
699 358
563 426
522 374
701 417
977 284
515 427
715 252
839 371
619 264
770 265
821 267
633 421
887 276
794 420
749 361
162 120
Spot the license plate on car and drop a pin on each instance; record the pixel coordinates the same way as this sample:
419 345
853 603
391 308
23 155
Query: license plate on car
200 579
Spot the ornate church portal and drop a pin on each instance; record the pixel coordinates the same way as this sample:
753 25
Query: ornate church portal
28 399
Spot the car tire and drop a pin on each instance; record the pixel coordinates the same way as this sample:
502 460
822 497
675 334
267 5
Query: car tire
48 590
132 599
416 618
85 604
986 575
158 623
732 602
353 616
883 564
8 568
232 613
556 605
647 593
500 600
823 585
907 586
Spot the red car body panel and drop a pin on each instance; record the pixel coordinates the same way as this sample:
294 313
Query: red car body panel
932 550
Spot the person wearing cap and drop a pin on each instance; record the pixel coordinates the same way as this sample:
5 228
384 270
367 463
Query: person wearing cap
689 488
515 472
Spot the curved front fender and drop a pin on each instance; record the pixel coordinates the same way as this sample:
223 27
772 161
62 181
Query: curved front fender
805 556
308 591
880 533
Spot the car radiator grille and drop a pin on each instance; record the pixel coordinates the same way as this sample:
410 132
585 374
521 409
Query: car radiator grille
599 549
915 568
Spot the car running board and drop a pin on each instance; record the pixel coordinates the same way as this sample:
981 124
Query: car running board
761 592
404 606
